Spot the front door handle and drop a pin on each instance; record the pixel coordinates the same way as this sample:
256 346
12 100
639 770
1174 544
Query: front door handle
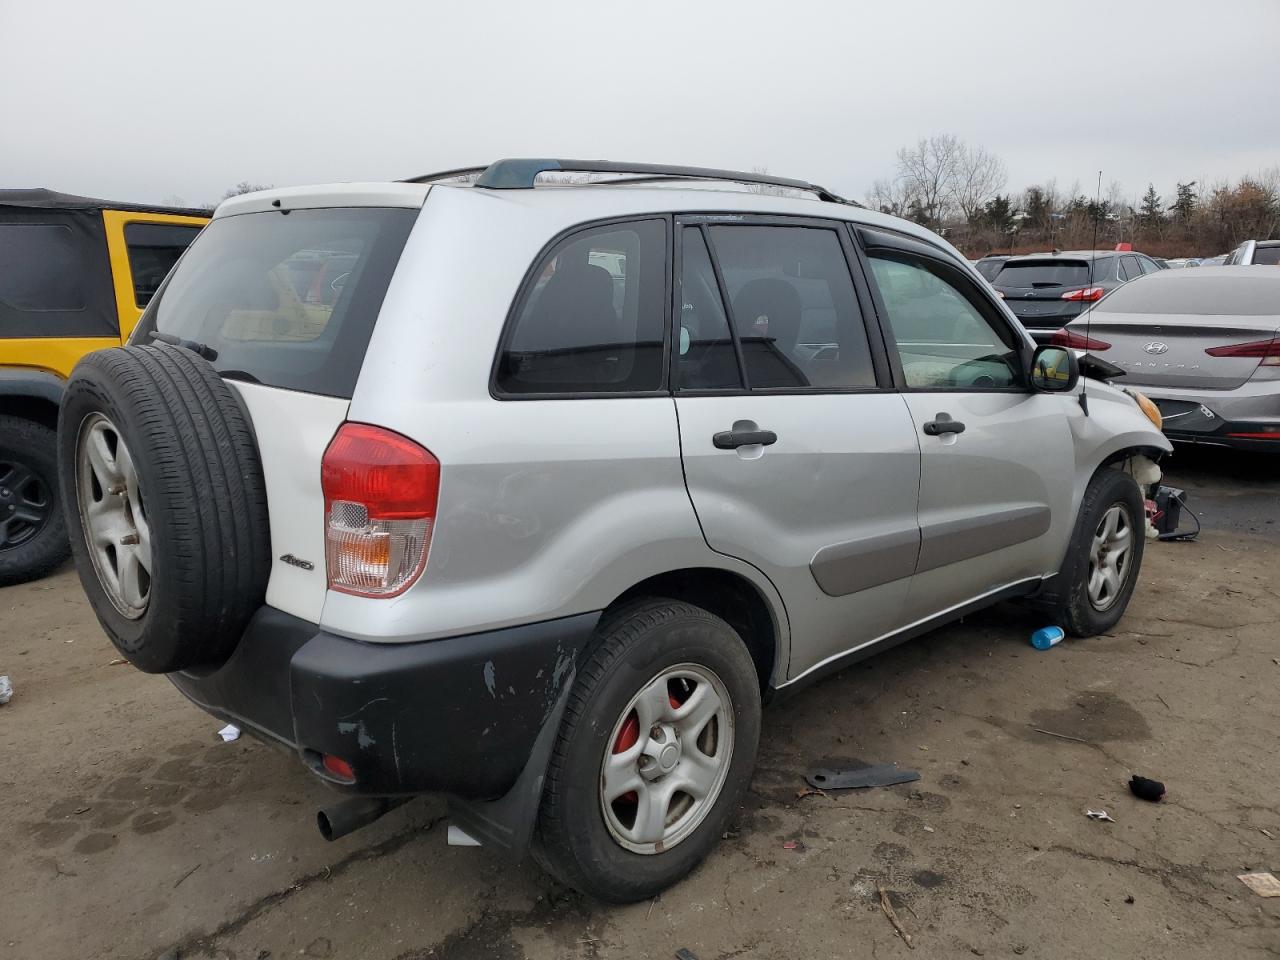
941 424
732 439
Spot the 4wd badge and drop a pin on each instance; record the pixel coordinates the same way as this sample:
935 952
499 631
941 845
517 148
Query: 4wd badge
293 561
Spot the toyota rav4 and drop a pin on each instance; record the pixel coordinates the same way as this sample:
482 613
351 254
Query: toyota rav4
534 496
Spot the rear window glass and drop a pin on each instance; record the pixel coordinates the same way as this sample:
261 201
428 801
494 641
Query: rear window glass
1187 292
1270 256
153 250
1048 273
592 321
287 300
42 267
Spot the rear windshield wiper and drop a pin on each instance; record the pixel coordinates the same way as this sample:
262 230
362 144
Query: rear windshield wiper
1040 284
199 349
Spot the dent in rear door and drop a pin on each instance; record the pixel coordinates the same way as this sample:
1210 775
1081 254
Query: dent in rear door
293 429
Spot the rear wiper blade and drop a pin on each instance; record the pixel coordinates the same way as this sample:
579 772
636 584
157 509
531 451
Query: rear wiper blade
199 349
1038 284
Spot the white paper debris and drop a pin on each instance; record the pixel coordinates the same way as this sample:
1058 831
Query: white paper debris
229 732
6 690
1263 884
1099 815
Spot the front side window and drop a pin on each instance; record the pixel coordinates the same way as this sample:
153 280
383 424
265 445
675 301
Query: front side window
153 250
592 320
791 303
943 339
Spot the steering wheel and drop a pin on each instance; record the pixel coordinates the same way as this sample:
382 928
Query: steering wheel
977 372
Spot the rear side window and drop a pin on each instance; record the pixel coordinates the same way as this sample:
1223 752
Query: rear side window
41 267
592 319
793 309
988 268
1267 256
153 250
284 299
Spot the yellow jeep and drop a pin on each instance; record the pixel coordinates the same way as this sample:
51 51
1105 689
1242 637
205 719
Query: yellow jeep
75 275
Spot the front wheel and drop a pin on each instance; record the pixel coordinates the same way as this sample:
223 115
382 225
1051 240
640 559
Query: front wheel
1105 555
33 533
655 750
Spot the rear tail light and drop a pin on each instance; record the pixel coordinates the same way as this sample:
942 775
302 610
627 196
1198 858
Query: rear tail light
1077 341
380 496
1088 293
1265 351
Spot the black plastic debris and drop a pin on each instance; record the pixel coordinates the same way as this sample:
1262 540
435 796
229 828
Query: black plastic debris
1144 789
877 775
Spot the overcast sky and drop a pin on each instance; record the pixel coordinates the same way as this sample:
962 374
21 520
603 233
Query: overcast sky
145 101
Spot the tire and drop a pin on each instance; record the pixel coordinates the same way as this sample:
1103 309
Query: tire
637 645
1080 615
184 481
33 532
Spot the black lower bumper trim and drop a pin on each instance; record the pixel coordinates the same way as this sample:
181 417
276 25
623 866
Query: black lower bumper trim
458 715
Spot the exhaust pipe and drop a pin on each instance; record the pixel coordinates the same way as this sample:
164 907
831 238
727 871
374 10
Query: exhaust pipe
350 815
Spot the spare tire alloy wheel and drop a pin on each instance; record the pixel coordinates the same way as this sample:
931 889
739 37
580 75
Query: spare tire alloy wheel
117 534
25 504
1109 556
671 751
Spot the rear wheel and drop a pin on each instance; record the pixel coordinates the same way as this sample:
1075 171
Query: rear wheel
654 752
33 533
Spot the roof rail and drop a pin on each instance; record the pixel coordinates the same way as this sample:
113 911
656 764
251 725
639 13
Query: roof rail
520 174
446 174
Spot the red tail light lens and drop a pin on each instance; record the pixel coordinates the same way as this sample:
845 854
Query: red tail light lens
380 496
1266 351
1088 293
1077 341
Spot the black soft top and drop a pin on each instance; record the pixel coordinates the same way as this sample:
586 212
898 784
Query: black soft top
39 198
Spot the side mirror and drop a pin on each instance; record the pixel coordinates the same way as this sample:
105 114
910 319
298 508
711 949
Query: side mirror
1054 369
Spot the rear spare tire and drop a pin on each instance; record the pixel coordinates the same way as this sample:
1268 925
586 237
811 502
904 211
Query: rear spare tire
166 504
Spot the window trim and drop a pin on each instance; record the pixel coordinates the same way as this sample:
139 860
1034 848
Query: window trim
703 221
870 239
525 289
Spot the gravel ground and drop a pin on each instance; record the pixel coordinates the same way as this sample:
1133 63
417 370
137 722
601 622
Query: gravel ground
133 831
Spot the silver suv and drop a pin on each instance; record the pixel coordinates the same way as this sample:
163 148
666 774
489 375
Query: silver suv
534 496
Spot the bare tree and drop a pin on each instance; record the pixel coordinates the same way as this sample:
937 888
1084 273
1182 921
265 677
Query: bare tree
890 196
927 173
244 186
979 177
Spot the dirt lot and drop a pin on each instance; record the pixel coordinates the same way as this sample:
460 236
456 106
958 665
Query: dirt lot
131 830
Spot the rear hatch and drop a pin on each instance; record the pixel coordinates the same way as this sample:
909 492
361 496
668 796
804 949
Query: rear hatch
1034 289
283 302
1161 333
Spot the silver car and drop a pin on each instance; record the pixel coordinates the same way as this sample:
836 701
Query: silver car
542 504
1202 344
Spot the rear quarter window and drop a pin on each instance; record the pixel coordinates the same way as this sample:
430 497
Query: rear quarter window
591 316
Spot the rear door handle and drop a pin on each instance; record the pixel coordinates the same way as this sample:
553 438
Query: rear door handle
941 424
732 439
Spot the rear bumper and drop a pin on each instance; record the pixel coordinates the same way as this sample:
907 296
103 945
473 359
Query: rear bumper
1247 418
459 715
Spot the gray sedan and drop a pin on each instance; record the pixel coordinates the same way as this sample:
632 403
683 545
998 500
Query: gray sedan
1200 343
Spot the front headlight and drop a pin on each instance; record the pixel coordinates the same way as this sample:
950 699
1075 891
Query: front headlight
1147 407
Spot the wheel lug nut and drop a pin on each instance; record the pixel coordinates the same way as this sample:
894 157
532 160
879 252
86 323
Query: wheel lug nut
116 488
